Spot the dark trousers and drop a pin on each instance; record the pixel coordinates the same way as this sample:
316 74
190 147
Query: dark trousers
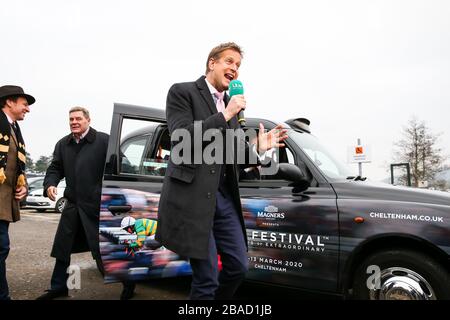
226 239
60 276
4 251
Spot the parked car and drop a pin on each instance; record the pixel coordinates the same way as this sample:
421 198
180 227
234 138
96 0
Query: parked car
312 225
36 199
33 181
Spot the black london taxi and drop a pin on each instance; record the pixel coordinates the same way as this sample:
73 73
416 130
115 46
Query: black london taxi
312 225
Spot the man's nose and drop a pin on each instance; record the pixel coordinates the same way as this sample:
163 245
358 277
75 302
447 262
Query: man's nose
235 70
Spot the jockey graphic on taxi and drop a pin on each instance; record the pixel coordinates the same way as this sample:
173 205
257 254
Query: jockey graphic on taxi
143 228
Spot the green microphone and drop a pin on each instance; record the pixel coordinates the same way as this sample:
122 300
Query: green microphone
236 88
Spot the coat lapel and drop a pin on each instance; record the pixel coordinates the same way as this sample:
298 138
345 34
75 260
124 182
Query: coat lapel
13 136
206 94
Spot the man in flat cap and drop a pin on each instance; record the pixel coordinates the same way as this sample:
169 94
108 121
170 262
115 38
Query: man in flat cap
14 104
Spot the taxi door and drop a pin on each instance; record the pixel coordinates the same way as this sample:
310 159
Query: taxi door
293 235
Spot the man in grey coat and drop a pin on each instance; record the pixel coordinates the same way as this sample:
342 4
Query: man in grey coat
79 158
200 212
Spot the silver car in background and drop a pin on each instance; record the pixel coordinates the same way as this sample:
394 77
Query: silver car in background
36 199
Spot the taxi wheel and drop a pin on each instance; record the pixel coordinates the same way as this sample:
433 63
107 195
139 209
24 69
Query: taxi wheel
401 274
60 204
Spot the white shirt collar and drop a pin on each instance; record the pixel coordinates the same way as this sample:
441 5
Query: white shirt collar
9 119
83 135
211 87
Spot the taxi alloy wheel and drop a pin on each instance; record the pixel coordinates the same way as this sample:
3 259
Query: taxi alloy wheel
398 283
403 275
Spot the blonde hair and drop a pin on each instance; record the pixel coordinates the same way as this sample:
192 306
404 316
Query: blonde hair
217 51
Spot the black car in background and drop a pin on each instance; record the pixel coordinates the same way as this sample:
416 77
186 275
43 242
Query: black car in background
312 225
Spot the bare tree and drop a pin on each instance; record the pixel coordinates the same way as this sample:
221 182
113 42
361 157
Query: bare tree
419 148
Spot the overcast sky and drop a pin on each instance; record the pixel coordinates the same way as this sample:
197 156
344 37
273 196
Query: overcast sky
356 69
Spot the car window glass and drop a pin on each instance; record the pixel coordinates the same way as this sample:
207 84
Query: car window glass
36 184
290 156
132 151
145 147
156 159
323 162
285 155
320 156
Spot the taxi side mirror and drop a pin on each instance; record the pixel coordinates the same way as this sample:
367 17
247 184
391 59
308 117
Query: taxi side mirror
293 173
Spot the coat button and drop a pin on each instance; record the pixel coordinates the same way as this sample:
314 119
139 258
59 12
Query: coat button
213 171
208 195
